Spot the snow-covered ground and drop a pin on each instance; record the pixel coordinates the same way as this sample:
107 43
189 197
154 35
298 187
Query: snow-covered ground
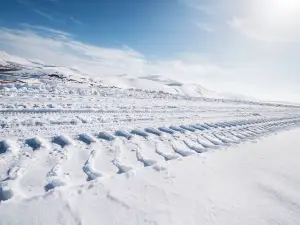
253 183
119 150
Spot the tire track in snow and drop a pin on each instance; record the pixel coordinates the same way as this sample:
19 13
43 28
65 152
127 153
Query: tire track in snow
163 146
63 172
107 158
35 178
26 160
146 151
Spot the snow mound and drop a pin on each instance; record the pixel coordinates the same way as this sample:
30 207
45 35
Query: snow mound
63 140
176 128
5 192
7 146
36 143
106 136
166 130
87 138
139 133
188 128
194 146
123 133
54 184
153 131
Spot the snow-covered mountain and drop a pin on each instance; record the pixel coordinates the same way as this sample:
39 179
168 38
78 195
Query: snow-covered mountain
15 68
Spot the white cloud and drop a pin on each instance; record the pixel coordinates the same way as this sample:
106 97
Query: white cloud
274 21
203 6
262 32
47 16
76 21
205 26
206 9
57 47
184 69
51 31
60 48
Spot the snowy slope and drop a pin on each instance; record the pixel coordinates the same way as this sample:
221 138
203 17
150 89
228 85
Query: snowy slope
7 58
27 69
186 89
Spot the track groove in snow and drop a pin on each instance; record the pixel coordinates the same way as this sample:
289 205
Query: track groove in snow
103 156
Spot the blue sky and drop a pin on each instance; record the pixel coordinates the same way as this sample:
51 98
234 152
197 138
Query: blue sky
155 27
248 47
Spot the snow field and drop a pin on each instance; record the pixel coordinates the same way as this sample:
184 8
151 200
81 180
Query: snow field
74 160
75 150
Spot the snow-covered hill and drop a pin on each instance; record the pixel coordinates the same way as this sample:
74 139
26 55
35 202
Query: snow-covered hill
7 59
17 68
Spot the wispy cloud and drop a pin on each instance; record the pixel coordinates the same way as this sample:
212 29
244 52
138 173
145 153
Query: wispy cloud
60 48
47 16
203 6
260 31
52 31
205 26
76 21
205 9
49 46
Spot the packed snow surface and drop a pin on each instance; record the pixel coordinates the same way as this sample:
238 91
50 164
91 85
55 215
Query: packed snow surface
74 150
